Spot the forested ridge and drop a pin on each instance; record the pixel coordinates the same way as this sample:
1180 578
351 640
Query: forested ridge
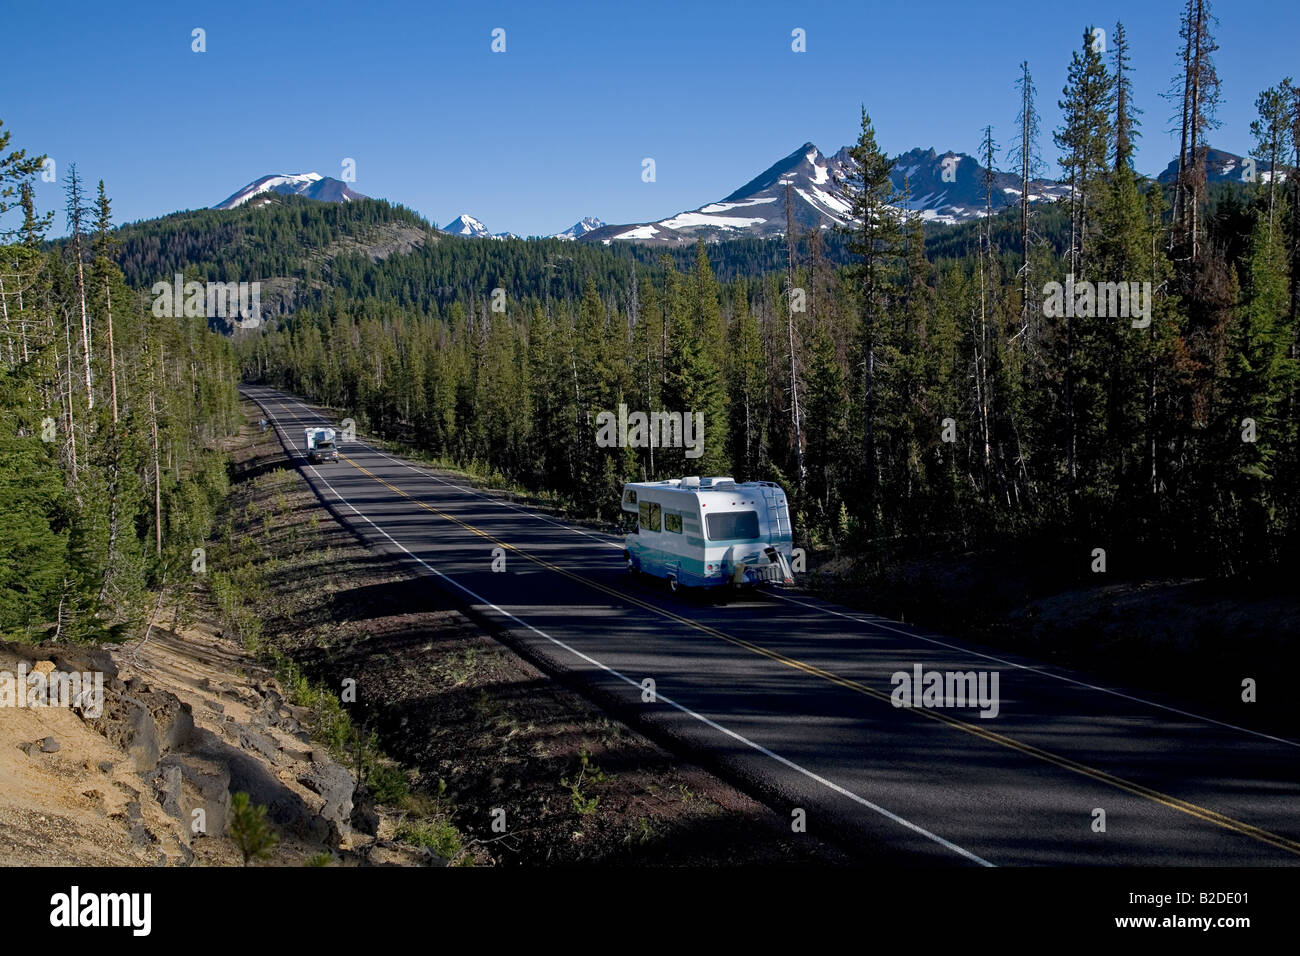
109 419
298 238
275 236
912 402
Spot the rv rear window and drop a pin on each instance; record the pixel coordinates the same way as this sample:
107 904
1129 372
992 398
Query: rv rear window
672 522
650 512
733 526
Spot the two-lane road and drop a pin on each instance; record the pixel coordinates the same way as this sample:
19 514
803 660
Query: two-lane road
791 695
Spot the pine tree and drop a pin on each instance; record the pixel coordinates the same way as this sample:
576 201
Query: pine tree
1030 165
105 271
1126 112
600 387
33 536
692 383
875 241
1251 430
745 385
827 425
796 417
16 168
984 339
76 222
1199 102
1084 141
1272 132
646 363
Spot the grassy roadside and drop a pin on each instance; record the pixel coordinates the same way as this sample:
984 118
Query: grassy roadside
242 587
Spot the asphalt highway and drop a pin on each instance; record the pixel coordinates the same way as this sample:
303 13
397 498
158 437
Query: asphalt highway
792 696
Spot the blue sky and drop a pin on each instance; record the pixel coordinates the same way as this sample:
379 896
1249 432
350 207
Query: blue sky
556 127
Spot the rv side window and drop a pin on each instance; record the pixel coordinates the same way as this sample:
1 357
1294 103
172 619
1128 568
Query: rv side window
650 511
733 526
672 522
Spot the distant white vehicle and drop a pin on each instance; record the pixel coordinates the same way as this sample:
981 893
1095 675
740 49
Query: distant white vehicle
321 446
709 532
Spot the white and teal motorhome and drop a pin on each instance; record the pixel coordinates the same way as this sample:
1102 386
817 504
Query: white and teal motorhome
708 532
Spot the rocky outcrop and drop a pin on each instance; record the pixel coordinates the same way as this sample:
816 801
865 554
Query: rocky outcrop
188 743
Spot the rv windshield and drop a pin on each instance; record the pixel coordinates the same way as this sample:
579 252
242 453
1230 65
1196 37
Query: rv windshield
733 526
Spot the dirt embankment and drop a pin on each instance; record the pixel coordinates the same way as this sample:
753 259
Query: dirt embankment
145 774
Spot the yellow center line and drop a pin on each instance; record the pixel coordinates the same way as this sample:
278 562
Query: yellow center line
1173 803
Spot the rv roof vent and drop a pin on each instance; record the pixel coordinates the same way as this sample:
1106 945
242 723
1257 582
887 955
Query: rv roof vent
692 482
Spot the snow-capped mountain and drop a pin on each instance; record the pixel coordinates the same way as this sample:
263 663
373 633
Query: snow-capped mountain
755 209
580 228
311 185
950 187
467 225
1222 166
945 187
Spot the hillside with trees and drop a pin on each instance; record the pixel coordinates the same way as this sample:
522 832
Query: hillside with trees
371 249
109 423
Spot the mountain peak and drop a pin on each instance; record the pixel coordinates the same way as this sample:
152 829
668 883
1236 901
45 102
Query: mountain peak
1222 166
311 185
466 225
580 228
782 168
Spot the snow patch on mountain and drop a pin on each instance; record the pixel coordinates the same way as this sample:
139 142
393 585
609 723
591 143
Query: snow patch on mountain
686 220
638 232
715 207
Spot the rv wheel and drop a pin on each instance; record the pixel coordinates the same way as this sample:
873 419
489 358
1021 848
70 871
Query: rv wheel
672 583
